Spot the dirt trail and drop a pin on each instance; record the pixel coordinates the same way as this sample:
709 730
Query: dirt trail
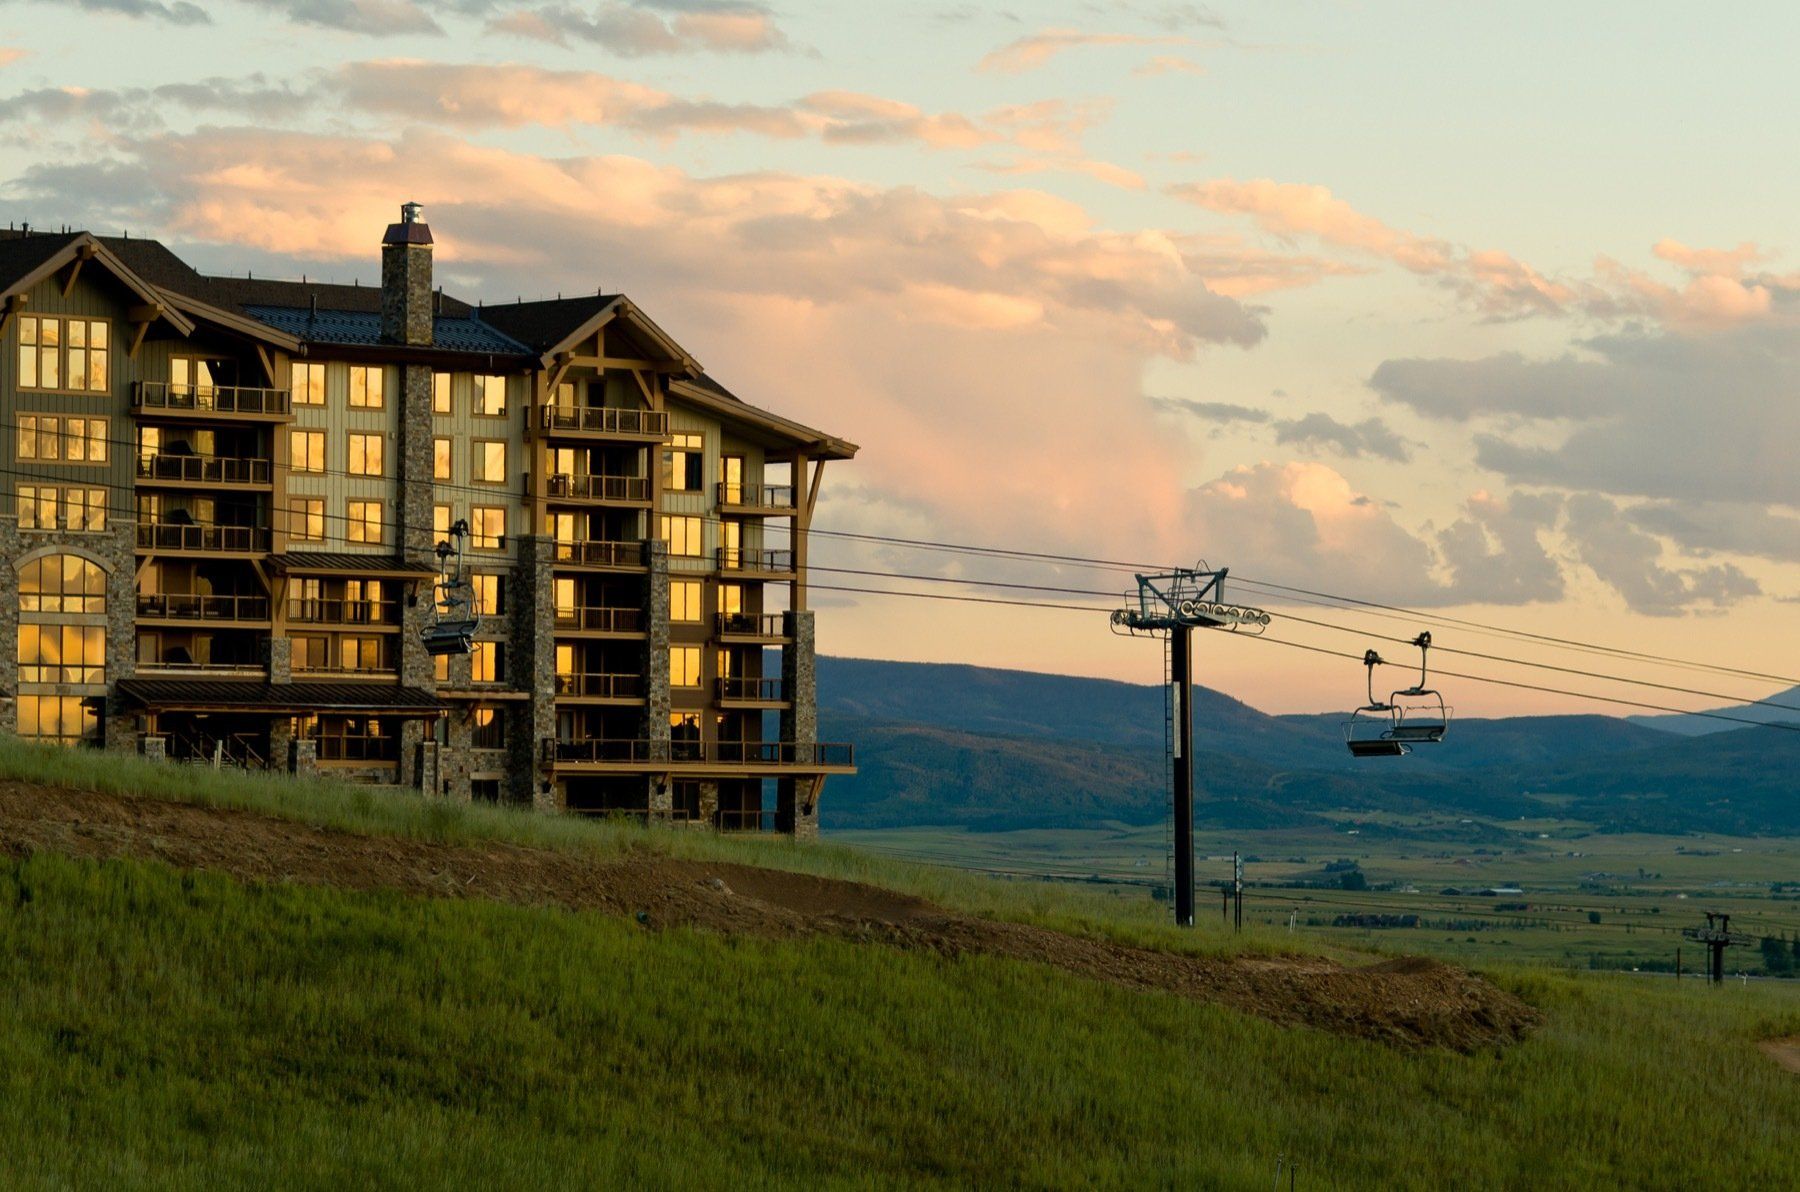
1408 1002
1785 1052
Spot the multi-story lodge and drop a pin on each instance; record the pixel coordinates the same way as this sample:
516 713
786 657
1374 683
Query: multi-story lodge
221 500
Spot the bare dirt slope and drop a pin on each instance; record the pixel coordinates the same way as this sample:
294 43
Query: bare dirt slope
1410 1002
1785 1052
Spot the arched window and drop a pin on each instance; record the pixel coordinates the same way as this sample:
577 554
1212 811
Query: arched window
62 644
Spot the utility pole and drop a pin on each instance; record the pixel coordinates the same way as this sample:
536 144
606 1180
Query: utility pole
1171 606
1717 936
1237 888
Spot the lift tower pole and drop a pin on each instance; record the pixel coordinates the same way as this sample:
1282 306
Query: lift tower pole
1717 936
1171 606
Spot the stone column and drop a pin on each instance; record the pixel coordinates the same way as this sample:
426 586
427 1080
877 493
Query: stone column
796 798
427 768
414 546
533 670
304 759
10 550
156 749
281 741
656 661
709 801
278 653
119 547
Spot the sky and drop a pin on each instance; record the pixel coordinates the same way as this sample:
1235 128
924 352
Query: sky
1483 310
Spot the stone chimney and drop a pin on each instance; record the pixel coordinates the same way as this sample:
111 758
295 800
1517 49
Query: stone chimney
406 279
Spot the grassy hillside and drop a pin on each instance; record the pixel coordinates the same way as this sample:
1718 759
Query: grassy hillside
175 1029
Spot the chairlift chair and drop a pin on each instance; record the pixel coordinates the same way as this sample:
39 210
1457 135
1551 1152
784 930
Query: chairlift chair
1415 715
454 620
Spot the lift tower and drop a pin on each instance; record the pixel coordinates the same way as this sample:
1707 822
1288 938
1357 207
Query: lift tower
1171 606
1717 936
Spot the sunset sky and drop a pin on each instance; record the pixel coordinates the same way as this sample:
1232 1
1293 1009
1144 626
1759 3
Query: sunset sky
1483 309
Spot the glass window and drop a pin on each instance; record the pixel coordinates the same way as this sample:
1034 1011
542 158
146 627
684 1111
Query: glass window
62 439
440 394
440 457
684 666
60 353
683 462
364 522
563 591
683 536
306 450
487 594
306 519
490 395
365 454
487 527
66 718
440 667
309 383
62 653
490 462
731 538
486 664
731 599
684 600
487 729
440 523
62 584
365 387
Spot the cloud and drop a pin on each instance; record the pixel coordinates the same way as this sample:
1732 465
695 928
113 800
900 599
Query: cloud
1628 560
1210 411
379 18
140 109
1709 528
179 12
1371 436
1240 270
1495 553
641 28
10 55
1033 51
1168 64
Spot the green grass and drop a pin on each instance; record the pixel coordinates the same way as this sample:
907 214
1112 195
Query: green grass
164 1029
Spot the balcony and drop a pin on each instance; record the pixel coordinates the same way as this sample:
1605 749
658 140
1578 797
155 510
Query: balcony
187 607
358 749
752 627
770 500
199 539
203 670
307 610
601 556
210 401
606 490
203 469
623 688
749 561
604 422
761 692
767 756
600 620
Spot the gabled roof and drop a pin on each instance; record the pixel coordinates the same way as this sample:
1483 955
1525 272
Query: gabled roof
706 392
30 257
554 325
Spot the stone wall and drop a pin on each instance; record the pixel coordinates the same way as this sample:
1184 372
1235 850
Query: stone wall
533 670
796 807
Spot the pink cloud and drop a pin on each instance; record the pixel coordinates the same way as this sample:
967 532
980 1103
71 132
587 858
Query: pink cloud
1033 51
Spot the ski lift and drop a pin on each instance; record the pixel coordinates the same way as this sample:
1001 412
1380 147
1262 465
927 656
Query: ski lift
454 619
1415 715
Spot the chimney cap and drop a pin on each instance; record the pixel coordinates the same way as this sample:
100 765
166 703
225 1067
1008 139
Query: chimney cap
411 229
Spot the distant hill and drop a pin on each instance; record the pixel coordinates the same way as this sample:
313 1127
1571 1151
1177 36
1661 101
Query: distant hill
992 749
1701 726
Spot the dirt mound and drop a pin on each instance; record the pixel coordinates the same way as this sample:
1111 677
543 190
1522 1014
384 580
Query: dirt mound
1407 1002
1785 1052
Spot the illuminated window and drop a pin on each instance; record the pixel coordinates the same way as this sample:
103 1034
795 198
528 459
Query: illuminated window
81 509
731 539
440 395
309 383
487 527
306 519
365 387
364 522
731 599
59 439
306 450
683 462
487 663
683 536
487 594
564 596
684 666
69 719
490 396
487 729
490 462
440 667
684 600
62 653
440 523
62 584
363 654
63 354
365 454
440 458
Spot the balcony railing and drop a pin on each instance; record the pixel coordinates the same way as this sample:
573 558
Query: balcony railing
185 607
220 670
560 485
731 753
358 749
603 420
744 558
763 626
750 691
209 399
601 620
178 536
600 686
756 496
601 554
384 666
307 610
203 469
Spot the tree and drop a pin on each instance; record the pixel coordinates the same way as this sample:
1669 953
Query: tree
1354 880
1593 916
1778 957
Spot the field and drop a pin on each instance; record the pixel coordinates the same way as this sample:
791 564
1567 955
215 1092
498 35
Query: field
170 1026
1644 889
